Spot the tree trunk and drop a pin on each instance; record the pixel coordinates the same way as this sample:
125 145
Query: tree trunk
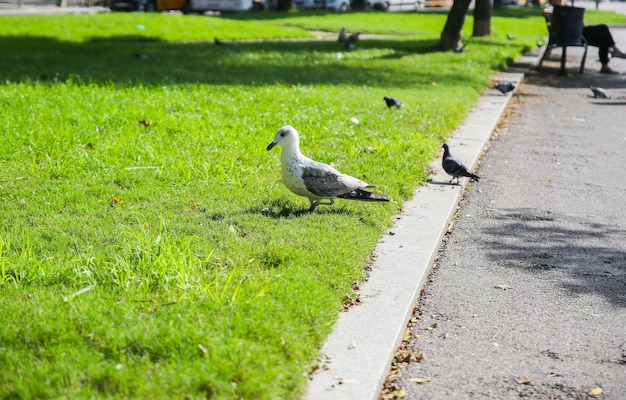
482 18
451 34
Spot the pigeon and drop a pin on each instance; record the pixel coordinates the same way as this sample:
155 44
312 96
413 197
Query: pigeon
392 102
509 36
505 86
454 167
218 42
343 35
141 56
350 46
314 180
354 37
599 92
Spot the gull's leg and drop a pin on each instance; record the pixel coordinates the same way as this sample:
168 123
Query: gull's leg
319 203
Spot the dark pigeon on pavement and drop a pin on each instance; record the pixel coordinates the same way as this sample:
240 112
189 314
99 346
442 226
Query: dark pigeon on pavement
393 102
454 167
598 92
505 86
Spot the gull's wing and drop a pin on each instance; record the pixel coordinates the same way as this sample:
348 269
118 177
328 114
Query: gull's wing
325 181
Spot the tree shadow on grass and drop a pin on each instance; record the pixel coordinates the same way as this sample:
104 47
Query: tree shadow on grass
128 60
584 255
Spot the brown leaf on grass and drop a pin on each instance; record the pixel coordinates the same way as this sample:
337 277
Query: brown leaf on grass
118 200
87 146
145 123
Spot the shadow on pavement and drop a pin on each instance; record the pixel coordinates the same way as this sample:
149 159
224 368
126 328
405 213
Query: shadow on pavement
585 256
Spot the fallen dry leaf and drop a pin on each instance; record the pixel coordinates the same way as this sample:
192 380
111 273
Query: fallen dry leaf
399 394
419 381
503 287
118 200
525 382
596 391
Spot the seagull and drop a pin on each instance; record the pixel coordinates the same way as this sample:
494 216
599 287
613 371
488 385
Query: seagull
454 167
392 102
354 37
314 180
343 35
505 86
599 92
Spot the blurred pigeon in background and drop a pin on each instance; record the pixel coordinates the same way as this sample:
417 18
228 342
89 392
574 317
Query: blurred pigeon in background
343 35
505 86
454 167
354 37
393 102
314 180
141 56
599 92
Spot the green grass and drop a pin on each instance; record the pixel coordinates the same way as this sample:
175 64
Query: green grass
169 261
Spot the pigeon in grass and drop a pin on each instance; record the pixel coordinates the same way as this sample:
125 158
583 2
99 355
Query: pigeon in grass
354 37
218 42
505 86
393 102
314 180
343 35
599 92
454 167
141 56
349 46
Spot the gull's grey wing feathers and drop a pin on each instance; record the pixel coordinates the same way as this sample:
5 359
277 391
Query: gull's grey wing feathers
325 181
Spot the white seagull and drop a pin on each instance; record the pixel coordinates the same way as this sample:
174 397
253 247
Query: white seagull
315 180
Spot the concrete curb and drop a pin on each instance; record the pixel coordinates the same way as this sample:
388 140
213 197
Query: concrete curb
359 351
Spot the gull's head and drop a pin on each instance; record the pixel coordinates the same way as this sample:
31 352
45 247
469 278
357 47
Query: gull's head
285 135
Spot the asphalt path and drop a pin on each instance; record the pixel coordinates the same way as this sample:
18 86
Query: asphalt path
528 297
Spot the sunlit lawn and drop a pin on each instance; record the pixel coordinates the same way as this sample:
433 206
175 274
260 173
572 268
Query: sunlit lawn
147 246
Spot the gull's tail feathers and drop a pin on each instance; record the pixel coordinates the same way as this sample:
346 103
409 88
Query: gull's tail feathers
364 195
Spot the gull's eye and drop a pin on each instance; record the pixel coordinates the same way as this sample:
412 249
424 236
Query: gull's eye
282 134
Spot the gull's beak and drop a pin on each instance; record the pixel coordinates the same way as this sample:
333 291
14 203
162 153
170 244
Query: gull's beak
271 146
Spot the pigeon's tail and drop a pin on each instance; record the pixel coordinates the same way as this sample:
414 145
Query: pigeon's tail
364 195
473 176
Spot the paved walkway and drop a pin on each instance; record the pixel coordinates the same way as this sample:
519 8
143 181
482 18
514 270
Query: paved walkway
529 296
